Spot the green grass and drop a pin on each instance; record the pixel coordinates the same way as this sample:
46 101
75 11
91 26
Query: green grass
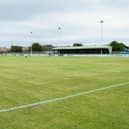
24 81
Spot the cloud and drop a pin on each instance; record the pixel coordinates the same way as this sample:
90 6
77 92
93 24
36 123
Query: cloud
21 10
79 20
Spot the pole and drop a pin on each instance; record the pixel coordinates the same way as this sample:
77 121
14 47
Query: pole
59 29
31 51
102 22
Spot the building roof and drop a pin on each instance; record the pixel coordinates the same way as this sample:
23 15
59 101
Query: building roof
83 47
4 49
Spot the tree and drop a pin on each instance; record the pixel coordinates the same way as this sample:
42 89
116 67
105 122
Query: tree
117 46
36 47
77 44
47 47
16 49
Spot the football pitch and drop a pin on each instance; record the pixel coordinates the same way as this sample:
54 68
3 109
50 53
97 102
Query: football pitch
64 92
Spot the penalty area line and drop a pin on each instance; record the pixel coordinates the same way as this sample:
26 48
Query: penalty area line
62 98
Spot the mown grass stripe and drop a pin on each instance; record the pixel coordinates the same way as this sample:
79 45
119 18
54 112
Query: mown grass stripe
62 98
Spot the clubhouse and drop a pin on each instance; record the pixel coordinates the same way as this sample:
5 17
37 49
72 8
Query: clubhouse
90 49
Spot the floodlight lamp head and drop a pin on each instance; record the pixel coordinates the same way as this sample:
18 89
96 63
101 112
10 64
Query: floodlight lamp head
59 28
101 21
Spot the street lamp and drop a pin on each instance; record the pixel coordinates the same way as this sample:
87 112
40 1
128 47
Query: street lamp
59 29
101 22
31 51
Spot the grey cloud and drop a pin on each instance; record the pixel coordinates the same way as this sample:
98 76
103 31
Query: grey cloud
18 18
21 10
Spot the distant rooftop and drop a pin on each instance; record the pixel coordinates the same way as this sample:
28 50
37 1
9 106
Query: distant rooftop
83 47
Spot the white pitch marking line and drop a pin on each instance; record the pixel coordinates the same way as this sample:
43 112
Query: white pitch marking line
62 98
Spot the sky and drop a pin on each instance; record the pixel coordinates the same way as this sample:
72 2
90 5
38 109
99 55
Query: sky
79 21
